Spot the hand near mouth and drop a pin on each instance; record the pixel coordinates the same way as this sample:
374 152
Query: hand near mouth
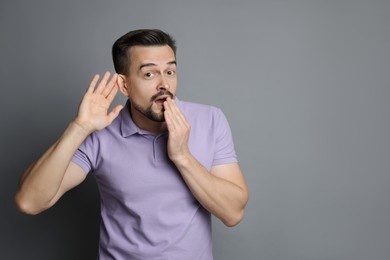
179 131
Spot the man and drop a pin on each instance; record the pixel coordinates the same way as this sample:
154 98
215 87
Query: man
162 165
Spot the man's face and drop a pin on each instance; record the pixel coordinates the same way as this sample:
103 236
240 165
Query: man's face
151 79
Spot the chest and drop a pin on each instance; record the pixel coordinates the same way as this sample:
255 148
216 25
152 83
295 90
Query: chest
140 169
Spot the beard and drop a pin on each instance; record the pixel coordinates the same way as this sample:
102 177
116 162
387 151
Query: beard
148 112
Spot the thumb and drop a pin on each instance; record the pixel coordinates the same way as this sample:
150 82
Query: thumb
114 113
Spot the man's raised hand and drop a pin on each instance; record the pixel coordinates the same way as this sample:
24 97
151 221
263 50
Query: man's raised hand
93 112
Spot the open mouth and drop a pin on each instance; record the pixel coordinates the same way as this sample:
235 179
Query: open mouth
160 100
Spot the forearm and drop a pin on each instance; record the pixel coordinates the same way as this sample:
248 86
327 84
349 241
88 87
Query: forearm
220 197
41 181
223 193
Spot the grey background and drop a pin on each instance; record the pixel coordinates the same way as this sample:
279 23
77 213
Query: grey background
304 84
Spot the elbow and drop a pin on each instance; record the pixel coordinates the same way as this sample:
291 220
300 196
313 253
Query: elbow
25 206
234 220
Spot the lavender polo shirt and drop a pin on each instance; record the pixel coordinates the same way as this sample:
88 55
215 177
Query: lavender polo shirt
147 210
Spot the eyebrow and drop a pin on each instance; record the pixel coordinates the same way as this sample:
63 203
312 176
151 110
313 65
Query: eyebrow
153 64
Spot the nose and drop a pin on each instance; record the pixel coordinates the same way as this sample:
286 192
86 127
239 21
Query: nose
163 84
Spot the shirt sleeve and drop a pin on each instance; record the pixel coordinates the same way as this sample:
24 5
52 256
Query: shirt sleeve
84 156
224 147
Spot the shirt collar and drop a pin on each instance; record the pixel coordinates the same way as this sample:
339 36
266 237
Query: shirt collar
128 127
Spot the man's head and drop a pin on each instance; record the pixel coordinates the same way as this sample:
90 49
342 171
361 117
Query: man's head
146 63
121 50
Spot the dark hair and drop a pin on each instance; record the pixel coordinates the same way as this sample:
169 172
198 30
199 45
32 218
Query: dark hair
143 37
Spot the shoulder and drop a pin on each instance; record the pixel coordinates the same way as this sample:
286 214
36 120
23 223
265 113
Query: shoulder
203 117
196 110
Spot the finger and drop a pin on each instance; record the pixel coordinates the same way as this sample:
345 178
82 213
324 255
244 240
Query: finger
177 115
177 111
114 113
102 83
169 106
169 117
169 121
174 122
92 85
113 92
110 85
169 111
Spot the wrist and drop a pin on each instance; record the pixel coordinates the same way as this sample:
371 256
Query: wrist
182 160
80 128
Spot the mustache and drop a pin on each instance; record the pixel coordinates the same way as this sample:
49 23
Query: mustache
161 93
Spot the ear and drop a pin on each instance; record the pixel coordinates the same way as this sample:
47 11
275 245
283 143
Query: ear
123 84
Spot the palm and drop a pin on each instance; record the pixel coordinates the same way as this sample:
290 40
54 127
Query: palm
93 111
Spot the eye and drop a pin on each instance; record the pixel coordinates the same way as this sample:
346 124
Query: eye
148 75
171 72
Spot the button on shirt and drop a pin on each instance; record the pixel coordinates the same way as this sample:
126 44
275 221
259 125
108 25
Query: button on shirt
147 210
